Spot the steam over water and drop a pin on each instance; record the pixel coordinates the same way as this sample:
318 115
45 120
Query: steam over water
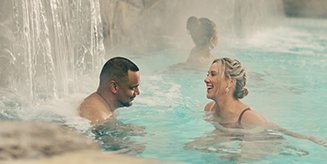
47 45
51 53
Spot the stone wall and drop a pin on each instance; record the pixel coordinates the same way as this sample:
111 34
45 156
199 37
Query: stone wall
156 24
306 8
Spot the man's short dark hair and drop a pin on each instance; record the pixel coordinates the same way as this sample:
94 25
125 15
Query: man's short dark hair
117 69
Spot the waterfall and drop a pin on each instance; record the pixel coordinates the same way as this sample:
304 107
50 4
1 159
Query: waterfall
50 43
47 44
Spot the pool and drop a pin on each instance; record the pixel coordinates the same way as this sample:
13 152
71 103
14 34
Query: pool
287 78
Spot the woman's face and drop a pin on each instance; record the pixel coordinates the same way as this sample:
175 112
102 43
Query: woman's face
216 82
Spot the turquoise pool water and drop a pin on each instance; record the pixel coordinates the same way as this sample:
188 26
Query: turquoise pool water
287 83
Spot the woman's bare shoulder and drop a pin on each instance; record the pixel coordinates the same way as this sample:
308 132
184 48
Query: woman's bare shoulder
251 118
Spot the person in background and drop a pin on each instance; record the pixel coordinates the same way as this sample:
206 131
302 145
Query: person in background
204 35
119 85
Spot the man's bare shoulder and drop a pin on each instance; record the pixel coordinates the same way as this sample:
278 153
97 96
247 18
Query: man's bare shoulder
93 108
90 102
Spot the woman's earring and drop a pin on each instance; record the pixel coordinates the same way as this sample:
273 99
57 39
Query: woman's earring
226 90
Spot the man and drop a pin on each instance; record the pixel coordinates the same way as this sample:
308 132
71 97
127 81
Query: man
119 82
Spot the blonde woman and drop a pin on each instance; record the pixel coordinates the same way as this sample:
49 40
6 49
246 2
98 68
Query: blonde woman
226 85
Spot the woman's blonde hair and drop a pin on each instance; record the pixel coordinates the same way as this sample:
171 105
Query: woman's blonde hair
233 69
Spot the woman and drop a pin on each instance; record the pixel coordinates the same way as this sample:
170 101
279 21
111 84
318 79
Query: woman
204 35
226 81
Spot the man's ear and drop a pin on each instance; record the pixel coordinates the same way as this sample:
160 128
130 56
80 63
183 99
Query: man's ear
114 86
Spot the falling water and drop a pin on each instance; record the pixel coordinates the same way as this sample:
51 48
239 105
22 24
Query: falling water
50 43
47 45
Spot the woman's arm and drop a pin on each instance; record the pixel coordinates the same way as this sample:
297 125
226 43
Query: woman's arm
297 135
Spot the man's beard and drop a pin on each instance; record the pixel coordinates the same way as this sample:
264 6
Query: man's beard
125 104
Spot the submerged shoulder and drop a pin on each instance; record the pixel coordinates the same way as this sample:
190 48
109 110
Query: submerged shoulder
208 107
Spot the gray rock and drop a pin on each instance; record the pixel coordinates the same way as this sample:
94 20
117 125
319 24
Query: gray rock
23 140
